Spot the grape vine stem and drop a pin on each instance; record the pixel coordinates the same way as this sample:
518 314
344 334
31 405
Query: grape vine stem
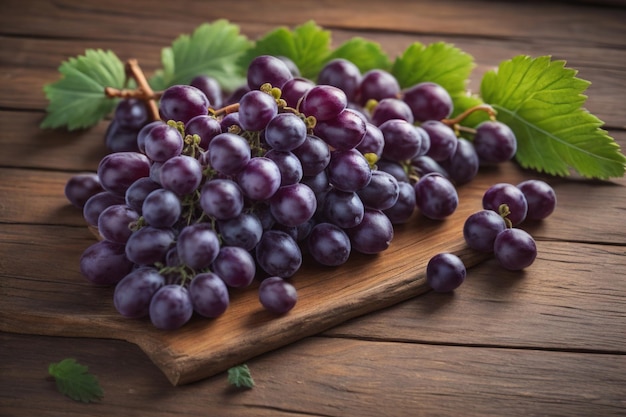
481 107
143 91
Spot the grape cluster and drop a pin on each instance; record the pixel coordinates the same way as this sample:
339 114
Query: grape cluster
226 189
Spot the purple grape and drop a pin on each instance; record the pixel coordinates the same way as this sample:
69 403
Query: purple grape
481 228
328 244
540 197
278 254
117 171
373 141
143 133
293 68
221 199
96 205
391 108
445 272
181 103
343 208
277 295
161 208
435 196
236 95
342 74
230 121
114 223
131 114
120 139
394 168
81 187
515 249
170 307
463 165
149 245
293 204
256 109
382 191
104 263
343 132
503 193
209 295
443 141
229 153
324 102
423 165
495 142
373 235
235 266
207 127
314 155
260 178
244 231
402 140
210 87
181 174
134 292
348 170
197 245
378 84
285 132
138 191
404 207
267 69
289 165
428 101
294 89
162 143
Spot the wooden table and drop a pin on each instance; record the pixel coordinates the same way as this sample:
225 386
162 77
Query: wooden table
548 341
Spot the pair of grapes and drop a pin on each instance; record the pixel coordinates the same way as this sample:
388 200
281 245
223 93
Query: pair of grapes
492 230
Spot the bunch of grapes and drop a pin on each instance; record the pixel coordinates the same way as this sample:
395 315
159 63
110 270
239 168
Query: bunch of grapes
223 190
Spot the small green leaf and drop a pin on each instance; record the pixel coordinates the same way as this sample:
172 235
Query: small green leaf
308 46
77 100
74 380
365 54
239 376
212 49
542 101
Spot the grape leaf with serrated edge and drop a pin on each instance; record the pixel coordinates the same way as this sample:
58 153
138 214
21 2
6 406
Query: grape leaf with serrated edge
307 45
77 100
74 380
212 49
365 54
541 100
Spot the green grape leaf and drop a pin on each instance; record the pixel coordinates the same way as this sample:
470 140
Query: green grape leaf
307 46
240 376
77 100
365 54
542 101
212 49
74 380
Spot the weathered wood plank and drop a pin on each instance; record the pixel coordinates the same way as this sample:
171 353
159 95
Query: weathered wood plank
324 377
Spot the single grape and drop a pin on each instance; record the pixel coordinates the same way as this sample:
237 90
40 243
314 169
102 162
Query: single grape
463 165
81 187
289 165
221 199
143 133
394 168
117 171
443 140
294 89
181 103
278 254
329 244
504 193
277 295
293 204
207 127
235 266
244 231
285 132
161 208
373 234
391 108
348 170
134 292
149 245
210 87
163 142
343 208
481 228
138 191
402 140
104 263
181 174
382 191
445 272
260 178
229 153
435 196
495 142
131 114
96 205
209 295
256 109
314 155
404 207
114 223
197 245
515 249
540 197
373 141
378 84
324 102
267 69
170 307
120 139
342 74
428 101
343 132
230 122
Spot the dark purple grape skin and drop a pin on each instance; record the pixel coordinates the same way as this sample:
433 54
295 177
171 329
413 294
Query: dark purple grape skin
481 228
463 165
96 205
314 155
259 179
373 141
244 231
170 307
391 108
104 263
134 292
143 133
120 139
267 69
377 84
382 191
210 87
504 193
342 74
348 170
161 208
230 121
235 266
114 223
291 65
494 142
293 204
278 254
149 245
221 198
329 244
256 109
229 153
445 272
285 132
181 103
209 295
162 143
394 168
277 295
443 141
324 102
81 187
435 196
373 235
342 208
515 249
181 174
428 101
197 245
117 171
404 207
426 165
138 191
294 89
343 132
402 140
207 127
131 114
289 165
540 197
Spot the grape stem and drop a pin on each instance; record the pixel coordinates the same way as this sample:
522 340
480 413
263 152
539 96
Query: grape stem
480 107
143 91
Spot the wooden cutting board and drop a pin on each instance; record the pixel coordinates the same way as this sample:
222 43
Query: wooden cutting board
327 296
